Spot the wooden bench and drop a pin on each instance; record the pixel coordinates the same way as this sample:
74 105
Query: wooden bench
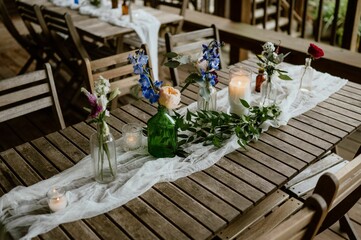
337 61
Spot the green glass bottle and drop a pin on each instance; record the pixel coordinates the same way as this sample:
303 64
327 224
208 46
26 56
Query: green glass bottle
162 134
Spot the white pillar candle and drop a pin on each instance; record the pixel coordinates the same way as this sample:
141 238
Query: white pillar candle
239 88
132 135
57 199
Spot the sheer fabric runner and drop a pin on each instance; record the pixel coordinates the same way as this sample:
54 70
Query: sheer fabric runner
144 24
24 210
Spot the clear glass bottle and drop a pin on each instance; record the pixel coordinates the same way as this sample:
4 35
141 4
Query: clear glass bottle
307 76
162 134
207 98
103 152
269 91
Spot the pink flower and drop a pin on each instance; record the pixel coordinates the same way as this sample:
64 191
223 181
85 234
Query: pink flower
315 51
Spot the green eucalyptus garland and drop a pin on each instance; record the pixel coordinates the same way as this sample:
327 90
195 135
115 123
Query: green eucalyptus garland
214 128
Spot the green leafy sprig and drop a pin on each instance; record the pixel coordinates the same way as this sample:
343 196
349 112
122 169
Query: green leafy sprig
214 128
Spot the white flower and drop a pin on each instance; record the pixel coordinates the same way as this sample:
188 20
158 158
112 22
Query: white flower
268 47
169 97
102 86
103 102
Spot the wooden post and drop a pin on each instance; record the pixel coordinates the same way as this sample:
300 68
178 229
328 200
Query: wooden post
240 11
352 21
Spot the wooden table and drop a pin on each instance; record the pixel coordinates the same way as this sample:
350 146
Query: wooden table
102 31
202 204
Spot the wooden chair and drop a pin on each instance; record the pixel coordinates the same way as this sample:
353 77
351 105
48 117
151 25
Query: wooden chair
34 21
268 220
173 28
303 225
26 41
341 191
28 93
117 69
65 38
133 40
189 42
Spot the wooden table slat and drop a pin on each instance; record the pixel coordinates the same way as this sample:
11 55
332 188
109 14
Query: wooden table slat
257 168
159 225
238 185
246 175
222 191
295 141
208 199
130 224
189 205
329 121
313 131
322 126
270 161
305 136
174 214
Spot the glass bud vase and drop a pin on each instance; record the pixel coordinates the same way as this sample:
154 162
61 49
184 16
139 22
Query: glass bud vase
307 76
268 92
207 98
103 152
162 134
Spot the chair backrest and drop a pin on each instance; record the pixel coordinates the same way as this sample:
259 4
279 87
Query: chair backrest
341 191
189 42
23 41
117 69
31 15
28 93
65 37
302 225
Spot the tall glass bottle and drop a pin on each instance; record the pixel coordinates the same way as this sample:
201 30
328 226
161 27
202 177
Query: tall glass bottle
162 134
307 76
103 152
207 98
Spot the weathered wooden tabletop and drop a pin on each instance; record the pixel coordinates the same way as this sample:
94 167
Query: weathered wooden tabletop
103 31
202 204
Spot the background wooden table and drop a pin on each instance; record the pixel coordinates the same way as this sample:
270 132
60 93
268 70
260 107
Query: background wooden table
200 205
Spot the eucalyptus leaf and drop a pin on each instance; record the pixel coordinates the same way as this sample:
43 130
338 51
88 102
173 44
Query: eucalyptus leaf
172 64
284 77
171 55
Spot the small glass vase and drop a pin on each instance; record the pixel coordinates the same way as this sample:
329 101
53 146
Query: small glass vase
307 76
207 98
103 152
268 91
162 134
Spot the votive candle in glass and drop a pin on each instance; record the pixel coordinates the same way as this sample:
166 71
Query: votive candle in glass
132 136
57 199
239 88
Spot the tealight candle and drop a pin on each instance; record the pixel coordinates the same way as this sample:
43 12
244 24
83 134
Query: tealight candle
57 199
132 135
239 88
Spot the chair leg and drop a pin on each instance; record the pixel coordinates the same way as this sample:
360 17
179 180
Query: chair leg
346 226
26 66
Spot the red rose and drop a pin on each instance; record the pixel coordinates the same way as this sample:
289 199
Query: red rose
315 51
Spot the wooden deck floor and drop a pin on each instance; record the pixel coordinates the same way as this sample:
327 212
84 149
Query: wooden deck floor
12 133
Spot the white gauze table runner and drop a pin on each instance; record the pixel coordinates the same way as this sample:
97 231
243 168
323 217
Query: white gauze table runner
25 212
144 24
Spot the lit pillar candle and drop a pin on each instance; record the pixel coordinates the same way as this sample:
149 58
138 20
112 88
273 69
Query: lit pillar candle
239 88
132 135
57 199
